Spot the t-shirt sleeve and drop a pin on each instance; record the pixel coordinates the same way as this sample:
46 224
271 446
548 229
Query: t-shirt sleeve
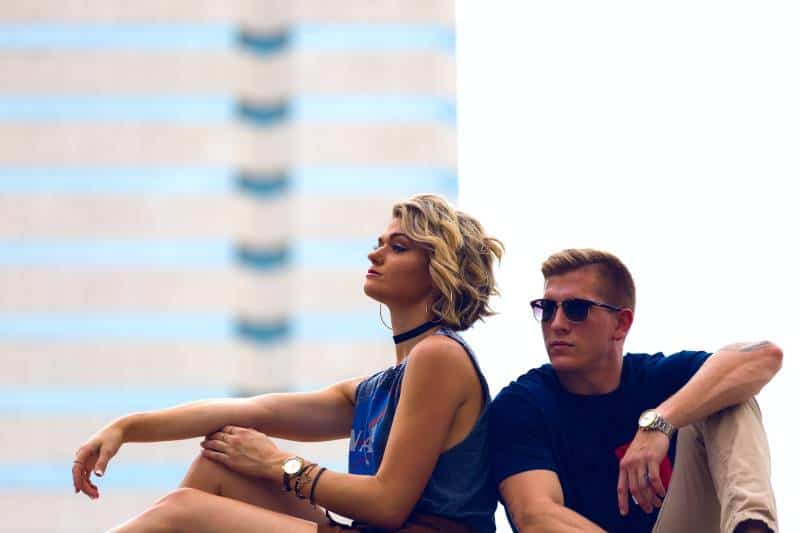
518 437
674 371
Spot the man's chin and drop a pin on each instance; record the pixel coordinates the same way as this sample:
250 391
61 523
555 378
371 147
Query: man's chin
564 362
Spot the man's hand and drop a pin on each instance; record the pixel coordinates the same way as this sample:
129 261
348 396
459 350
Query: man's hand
246 451
639 471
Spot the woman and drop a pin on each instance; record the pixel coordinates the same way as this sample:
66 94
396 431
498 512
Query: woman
419 452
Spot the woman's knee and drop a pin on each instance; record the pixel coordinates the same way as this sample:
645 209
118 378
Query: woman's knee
203 464
179 505
178 498
206 475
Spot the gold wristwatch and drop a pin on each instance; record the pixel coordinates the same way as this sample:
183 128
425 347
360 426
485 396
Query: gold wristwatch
291 468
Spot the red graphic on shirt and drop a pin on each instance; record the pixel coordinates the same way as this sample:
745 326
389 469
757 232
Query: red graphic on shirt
665 469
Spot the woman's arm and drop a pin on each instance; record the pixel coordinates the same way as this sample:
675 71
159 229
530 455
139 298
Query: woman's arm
321 415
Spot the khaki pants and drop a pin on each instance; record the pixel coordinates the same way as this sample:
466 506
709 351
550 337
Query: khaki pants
721 475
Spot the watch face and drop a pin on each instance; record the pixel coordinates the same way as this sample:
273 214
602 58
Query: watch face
292 465
647 418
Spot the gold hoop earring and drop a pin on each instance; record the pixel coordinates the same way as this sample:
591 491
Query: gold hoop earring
380 314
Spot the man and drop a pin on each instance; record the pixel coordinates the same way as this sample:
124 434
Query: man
587 442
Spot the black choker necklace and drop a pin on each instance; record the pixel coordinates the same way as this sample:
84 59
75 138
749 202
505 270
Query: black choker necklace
419 330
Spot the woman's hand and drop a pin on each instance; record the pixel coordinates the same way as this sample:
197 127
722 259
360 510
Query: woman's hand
246 451
93 456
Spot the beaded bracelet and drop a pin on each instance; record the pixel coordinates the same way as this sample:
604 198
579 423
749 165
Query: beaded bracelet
314 485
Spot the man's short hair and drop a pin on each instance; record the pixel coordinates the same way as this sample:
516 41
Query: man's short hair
616 280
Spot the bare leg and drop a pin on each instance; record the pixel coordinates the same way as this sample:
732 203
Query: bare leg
214 478
215 498
197 511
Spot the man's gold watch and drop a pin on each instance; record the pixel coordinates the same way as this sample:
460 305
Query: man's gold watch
650 420
291 468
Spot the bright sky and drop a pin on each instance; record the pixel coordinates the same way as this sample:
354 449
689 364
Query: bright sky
667 133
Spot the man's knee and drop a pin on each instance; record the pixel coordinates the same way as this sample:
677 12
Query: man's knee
747 412
740 464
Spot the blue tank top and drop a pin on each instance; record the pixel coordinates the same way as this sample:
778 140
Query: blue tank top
460 487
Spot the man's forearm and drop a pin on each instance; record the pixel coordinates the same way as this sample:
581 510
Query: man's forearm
731 376
553 518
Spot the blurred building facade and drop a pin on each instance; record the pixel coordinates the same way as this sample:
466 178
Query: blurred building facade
188 191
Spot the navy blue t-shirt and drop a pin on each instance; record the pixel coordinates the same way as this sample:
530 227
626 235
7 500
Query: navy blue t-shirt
537 425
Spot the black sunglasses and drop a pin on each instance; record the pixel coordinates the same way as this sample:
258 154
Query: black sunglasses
575 309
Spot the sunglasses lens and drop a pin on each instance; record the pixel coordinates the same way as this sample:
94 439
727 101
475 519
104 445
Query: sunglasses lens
543 310
576 310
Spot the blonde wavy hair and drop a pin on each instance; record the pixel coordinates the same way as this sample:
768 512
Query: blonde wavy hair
461 257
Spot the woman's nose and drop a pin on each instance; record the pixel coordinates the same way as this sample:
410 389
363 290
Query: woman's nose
374 256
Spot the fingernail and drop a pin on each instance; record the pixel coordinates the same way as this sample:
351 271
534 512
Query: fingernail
98 473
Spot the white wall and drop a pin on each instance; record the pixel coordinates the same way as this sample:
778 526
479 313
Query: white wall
668 134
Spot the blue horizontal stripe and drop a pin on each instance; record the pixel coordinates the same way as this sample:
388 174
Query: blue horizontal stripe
205 37
213 109
333 254
204 254
373 37
120 475
185 326
117 399
87 180
373 108
127 327
183 108
316 327
362 180
315 254
209 37
397 180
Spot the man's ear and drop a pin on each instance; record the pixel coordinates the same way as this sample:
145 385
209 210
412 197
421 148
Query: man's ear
624 322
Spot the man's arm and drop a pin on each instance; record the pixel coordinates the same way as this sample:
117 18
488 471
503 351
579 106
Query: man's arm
731 376
535 501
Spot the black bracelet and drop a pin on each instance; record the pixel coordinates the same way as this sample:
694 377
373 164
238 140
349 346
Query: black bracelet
314 485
